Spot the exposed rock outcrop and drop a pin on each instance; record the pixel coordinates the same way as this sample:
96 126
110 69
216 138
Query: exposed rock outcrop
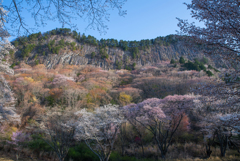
82 56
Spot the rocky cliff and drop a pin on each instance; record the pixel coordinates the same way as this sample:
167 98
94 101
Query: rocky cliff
116 57
150 56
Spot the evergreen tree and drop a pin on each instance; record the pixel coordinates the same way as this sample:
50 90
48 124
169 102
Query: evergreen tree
181 60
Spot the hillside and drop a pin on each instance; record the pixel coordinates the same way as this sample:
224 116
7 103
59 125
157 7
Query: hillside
63 46
43 93
123 100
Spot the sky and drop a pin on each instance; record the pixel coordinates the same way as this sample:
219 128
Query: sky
145 19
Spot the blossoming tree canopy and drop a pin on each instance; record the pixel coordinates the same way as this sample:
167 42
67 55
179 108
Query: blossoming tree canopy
162 117
159 108
221 20
100 126
221 32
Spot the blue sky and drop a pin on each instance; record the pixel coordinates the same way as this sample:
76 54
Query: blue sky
145 19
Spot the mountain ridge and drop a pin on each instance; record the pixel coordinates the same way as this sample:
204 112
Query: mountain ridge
63 46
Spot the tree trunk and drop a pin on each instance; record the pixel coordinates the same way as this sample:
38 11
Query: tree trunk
123 149
223 145
142 149
208 150
163 154
222 152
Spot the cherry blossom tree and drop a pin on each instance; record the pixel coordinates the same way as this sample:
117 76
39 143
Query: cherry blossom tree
99 129
59 135
162 117
60 80
219 121
221 127
6 95
5 45
17 140
3 32
232 123
222 97
220 34
221 25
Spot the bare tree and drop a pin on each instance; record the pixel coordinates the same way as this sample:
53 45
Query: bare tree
95 11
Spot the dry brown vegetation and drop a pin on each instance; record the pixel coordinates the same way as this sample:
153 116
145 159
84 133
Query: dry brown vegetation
76 87
42 92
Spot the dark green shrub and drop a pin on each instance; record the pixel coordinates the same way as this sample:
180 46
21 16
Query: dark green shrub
128 68
36 62
113 102
16 43
103 53
27 49
56 49
52 42
93 54
73 46
204 60
192 66
105 56
11 52
38 144
209 73
202 67
181 60
81 153
119 64
210 67
50 100
134 65
196 62
135 53
61 42
117 157
50 45
172 61
216 70
13 65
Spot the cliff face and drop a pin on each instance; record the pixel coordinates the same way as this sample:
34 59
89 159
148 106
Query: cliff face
150 56
116 56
